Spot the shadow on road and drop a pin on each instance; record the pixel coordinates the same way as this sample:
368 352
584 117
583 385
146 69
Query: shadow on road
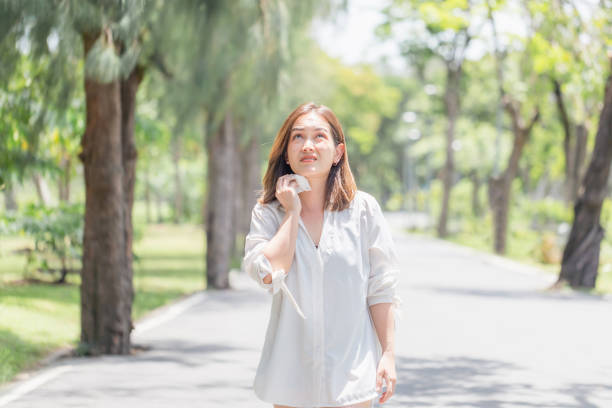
472 382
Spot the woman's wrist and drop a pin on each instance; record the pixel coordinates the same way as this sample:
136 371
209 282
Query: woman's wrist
294 212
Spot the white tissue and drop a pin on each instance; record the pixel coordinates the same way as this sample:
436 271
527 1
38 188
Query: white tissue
302 182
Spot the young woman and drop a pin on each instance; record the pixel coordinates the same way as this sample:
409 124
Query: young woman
327 257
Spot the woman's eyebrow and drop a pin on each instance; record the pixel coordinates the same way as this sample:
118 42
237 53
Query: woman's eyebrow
310 127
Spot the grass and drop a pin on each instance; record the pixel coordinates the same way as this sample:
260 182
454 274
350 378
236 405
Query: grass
524 245
38 318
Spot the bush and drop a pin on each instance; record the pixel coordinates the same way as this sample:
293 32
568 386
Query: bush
57 233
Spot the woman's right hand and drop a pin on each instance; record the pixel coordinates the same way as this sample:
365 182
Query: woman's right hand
287 195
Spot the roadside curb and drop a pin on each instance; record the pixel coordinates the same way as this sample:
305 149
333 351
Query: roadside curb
507 264
151 319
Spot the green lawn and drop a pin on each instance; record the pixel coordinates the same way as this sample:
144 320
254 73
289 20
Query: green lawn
524 245
38 318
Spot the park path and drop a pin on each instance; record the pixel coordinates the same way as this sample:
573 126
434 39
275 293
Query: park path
478 331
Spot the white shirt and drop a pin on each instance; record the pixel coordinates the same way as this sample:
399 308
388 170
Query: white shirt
329 356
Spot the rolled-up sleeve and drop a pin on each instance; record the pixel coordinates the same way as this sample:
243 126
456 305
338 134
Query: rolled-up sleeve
384 266
255 263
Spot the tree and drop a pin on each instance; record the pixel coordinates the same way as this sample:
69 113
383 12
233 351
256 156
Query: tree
232 82
581 254
446 34
500 185
113 36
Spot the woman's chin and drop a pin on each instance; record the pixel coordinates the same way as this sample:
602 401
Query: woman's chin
311 172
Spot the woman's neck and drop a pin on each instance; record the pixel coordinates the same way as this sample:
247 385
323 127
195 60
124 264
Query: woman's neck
314 200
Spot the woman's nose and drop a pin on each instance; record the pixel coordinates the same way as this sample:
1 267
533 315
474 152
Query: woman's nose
308 144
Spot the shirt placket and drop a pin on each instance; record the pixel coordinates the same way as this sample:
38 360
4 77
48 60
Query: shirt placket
319 326
318 318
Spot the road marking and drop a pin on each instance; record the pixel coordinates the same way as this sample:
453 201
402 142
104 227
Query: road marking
34 383
149 323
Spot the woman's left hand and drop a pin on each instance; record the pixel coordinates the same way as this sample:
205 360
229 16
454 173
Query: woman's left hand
386 371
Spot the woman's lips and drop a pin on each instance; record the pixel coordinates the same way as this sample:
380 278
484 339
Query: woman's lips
308 160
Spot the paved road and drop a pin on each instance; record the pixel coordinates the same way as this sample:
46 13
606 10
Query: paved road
478 331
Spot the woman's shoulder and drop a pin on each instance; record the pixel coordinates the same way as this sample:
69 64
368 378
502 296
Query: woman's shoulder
269 209
366 201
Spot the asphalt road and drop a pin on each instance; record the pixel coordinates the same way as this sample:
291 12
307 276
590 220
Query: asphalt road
477 331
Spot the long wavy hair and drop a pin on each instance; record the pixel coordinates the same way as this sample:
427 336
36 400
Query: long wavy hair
340 187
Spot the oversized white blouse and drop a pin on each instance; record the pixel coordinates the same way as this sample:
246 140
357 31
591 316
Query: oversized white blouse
321 347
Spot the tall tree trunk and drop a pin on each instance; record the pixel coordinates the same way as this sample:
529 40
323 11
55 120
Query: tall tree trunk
500 187
220 198
129 88
476 182
238 181
251 182
581 254
42 189
105 327
178 189
109 158
10 203
582 134
568 142
158 206
451 103
63 182
147 192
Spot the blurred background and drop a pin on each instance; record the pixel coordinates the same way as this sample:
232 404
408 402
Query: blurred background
134 136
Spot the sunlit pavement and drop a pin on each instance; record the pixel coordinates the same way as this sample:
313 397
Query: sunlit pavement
477 331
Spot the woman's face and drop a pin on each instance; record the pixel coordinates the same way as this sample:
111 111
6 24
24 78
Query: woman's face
312 150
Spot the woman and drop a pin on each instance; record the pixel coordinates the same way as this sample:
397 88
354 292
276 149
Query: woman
325 252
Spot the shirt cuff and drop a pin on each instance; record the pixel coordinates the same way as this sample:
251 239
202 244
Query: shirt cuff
264 267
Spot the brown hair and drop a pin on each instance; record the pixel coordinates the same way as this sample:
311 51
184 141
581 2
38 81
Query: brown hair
340 187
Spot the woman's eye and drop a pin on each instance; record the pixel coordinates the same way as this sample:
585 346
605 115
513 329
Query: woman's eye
298 135
321 135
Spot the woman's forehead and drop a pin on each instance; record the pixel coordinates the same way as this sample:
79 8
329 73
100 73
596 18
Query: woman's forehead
310 121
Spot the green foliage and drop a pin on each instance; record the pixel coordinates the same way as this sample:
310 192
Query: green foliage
546 213
37 319
57 234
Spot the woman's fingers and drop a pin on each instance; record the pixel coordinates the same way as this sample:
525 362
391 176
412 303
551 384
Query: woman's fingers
379 380
390 388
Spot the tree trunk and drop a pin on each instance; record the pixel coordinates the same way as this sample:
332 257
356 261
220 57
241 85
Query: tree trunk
109 158
451 103
63 183
129 87
220 198
10 203
476 208
158 206
567 141
580 260
582 134
251 182
500 187
178 190
147 193
105 326
42 189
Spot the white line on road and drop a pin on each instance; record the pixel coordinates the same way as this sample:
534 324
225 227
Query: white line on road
147 324
34 383
169 313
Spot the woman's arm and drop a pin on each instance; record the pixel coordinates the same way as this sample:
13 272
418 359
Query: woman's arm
281 248
382 316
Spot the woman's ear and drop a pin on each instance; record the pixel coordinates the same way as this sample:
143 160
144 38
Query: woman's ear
339 152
